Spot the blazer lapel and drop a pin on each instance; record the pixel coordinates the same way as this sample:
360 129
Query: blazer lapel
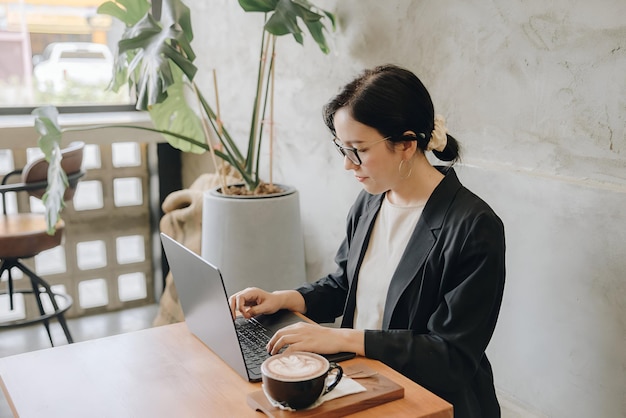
358 246
418 247
422 241
361 236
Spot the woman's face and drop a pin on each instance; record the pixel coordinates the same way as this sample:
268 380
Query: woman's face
378 171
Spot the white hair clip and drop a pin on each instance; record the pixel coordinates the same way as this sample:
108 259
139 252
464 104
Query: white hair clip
439 136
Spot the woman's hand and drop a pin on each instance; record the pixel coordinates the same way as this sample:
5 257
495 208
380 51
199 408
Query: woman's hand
254 301
304 336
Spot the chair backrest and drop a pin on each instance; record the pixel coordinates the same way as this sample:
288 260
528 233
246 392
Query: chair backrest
36 172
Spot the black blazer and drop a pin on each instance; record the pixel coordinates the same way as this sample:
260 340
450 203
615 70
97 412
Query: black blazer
443 300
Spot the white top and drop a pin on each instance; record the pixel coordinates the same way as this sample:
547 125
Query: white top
390 235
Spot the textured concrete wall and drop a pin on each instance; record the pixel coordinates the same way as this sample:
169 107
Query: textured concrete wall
536 93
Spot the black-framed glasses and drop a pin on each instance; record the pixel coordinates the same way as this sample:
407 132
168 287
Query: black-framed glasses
353 153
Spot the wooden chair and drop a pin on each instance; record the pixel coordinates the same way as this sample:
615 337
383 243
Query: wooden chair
23 235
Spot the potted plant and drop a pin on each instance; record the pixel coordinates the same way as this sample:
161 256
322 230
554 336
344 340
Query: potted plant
155 59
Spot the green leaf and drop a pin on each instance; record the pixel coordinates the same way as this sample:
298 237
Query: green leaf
283 22
53 199
331 17
120 73
258 5
284 19
176 16
175 115
149 48
316 29
46 123
148 69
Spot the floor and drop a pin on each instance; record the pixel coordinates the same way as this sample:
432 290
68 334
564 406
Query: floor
21 340
31 338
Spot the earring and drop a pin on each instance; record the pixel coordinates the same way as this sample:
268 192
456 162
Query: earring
401 167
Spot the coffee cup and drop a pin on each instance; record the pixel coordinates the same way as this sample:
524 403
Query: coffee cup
298 379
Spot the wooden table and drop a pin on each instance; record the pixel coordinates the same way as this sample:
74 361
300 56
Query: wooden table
157 372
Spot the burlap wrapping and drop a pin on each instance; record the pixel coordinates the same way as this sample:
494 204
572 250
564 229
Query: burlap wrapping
182 221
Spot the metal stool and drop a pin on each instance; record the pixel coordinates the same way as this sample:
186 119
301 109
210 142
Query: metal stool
24 235
39 287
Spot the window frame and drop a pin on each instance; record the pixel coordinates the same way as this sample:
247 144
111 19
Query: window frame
17 128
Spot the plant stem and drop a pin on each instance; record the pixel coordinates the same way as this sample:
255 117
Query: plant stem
254 125
232 154
271 41
205 128
142 128
272 74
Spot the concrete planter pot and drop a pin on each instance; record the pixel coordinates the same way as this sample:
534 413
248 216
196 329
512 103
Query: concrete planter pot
254 240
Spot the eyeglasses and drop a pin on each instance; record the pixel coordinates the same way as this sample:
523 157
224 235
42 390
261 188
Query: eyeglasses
353 153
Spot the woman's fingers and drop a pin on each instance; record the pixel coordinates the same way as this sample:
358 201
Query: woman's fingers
300 337
241 301
254 301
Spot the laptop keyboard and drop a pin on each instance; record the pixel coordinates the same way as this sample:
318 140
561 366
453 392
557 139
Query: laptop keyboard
253 338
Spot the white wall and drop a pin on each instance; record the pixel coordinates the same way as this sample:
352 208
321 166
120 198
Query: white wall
536 93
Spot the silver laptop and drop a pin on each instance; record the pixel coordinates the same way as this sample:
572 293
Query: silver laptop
240 343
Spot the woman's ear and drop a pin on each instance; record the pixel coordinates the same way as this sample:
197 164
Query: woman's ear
409 141
419 139
409 136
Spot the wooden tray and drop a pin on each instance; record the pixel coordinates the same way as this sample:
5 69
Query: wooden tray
379 390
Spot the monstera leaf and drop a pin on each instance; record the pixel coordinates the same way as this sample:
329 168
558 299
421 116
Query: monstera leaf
284 18
149 47
174 114
46 123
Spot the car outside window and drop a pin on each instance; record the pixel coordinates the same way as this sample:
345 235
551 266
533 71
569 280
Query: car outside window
57 52
74 65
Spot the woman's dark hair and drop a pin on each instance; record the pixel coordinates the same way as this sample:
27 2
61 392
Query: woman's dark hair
391 100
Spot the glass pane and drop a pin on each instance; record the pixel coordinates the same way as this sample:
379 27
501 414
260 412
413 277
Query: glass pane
127 192
57 52
91 157
131 286
16 274
92 293
36 205
33 154
6 161
126 154
50 261
88 195
91 255
61 302
18 312
130 249
10 199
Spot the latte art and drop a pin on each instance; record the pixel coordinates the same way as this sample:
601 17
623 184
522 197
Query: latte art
297 366
298 379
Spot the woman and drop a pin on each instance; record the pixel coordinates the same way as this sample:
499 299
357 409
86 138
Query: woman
421 270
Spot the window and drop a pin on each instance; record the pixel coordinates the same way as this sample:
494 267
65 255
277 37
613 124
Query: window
58 52
105 260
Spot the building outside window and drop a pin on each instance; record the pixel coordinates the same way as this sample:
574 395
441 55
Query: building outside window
57 52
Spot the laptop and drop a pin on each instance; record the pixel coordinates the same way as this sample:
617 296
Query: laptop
240 343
